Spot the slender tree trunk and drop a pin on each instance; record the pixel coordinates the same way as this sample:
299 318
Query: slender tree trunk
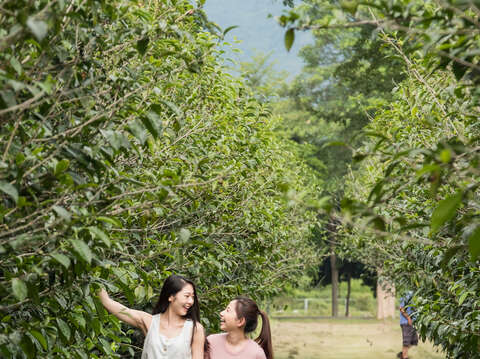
334 269
349 289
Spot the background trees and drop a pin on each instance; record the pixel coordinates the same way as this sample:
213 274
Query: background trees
411 207
127 154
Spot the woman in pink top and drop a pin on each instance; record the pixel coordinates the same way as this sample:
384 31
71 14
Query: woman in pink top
238 319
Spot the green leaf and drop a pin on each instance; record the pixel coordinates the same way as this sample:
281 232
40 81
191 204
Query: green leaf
228 29
63 213
17 66
142 45
289 38
82 249
19 289
61 258
9 189
64 328
40 338
153 123
474 243
445 211
98 233
140 292
61 166
37 27
138 130
462 298
114 222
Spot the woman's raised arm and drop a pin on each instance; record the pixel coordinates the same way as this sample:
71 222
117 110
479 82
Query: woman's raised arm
136 318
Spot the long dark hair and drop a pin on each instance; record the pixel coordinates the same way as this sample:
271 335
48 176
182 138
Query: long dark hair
172 285
248 309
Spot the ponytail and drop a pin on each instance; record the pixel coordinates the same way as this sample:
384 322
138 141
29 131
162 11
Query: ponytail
248 309
265 337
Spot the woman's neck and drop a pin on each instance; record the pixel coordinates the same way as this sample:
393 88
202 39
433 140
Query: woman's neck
236 337
172 318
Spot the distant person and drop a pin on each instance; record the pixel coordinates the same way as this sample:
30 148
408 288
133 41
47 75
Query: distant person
173 331
237 320
409 334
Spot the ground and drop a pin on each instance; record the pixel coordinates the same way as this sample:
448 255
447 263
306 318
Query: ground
342 339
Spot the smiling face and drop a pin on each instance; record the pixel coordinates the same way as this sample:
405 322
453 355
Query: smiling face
228 318
183 300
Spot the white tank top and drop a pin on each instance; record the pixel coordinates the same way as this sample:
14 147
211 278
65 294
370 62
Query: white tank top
158 346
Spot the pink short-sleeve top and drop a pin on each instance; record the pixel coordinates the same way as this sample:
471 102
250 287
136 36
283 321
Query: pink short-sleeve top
218 349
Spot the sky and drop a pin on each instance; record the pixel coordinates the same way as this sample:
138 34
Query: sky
257 32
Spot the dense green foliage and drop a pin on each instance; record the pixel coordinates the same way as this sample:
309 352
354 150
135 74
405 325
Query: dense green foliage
421 178
127 154
412 207
348 75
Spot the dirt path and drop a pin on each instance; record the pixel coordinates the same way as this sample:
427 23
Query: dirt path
342 339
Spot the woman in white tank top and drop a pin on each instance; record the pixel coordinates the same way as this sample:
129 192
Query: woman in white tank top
174 330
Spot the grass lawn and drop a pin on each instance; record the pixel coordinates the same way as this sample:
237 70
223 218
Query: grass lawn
343 339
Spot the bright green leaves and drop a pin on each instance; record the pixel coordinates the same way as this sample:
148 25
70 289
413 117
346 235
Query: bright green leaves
19 289
9 189
445 211
289 38
82 250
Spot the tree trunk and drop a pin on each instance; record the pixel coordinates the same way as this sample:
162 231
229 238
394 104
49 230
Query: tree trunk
349 289
333 264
